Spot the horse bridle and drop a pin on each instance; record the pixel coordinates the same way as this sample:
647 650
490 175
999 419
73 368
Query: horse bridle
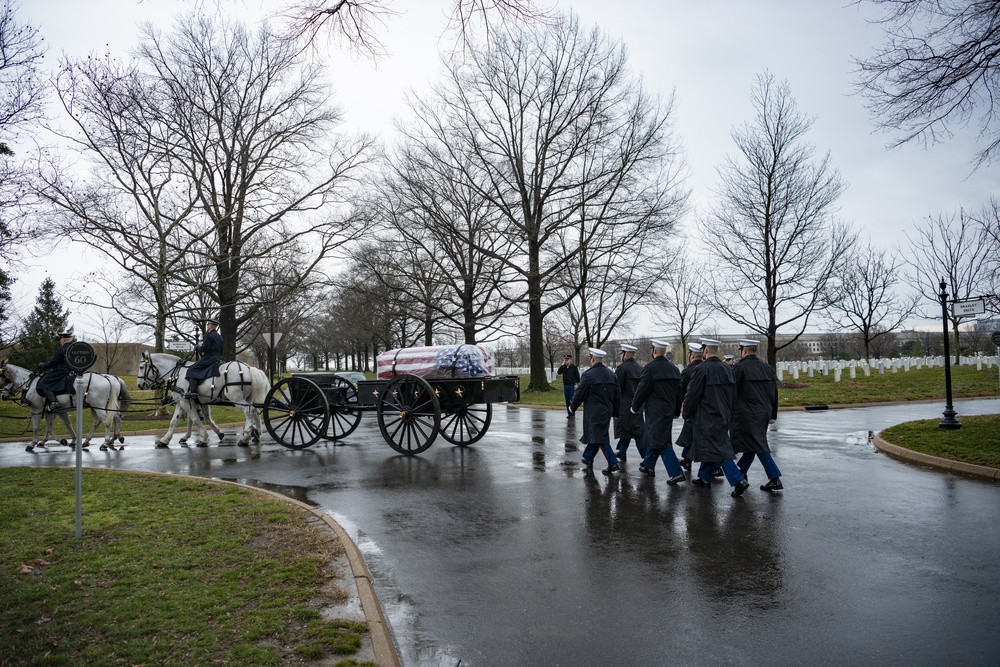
12 389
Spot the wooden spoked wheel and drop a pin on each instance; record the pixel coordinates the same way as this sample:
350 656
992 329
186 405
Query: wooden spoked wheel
466 424
296 412
344 414
409 414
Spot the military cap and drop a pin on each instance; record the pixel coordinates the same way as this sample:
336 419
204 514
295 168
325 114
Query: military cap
710 342
599 354
66 334
694 347
748 342
660 344
628 348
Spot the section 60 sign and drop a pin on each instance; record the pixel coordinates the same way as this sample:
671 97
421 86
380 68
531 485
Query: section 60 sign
968 308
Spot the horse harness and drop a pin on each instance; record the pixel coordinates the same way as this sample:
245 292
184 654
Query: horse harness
169 382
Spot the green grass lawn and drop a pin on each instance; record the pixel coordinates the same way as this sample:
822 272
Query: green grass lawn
168 572
976 442
926 383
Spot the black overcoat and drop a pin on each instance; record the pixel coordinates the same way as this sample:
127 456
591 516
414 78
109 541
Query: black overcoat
56 369
756 403
708 404
598 388
210 352
684 439
628 424
658 396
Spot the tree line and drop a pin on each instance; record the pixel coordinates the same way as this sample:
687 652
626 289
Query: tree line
536 191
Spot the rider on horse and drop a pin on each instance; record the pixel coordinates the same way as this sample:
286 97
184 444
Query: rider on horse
56 370
210 354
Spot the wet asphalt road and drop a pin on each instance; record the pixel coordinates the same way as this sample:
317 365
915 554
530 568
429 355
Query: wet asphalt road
508 553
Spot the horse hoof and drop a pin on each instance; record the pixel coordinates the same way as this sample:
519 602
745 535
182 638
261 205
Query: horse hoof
202 444
29 449
221 436
182 441
160 444
121 438
243 444
64 442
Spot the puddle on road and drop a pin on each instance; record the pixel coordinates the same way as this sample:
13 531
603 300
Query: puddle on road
299 493
860 438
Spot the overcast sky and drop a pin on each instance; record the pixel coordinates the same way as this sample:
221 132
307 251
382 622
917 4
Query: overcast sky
706 52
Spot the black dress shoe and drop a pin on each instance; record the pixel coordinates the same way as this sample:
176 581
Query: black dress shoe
741 486
611 470
649 472
677 479
717 472
51 407
587 464
620 455
686 464
772 485
699 482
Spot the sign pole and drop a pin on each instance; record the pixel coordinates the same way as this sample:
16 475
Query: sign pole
79 356
949 421
79 383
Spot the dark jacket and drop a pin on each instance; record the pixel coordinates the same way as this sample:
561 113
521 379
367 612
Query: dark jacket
684 439
628 424
658 396
599 389
708 404
570 374
56 369
756 403
210 353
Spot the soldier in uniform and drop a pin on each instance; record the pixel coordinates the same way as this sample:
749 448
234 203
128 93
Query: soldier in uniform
756 405
628 425
209 354
728 360
708 404
598 388
684 439
570 377
56 369
658 396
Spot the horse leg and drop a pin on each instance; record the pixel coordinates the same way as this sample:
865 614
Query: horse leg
74 439
199 426
211 424
178 411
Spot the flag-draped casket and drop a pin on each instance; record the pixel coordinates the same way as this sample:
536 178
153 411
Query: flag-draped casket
437 361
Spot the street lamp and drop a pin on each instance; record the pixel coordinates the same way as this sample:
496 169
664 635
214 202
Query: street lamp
949 421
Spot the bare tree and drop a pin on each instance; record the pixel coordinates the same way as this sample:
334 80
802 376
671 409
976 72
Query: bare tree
445 233
359 23
869 301
551 124
776 245
22 91
938 67
129 202
683 304
956 249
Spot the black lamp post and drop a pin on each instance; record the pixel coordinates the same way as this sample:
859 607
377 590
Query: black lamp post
949 421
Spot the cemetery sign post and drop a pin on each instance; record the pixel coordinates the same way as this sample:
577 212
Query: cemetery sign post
949 421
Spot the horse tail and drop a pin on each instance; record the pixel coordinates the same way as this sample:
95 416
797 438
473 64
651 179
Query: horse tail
112 406
124 398
260 385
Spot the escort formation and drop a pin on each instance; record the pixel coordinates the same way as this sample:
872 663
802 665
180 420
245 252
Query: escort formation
726 408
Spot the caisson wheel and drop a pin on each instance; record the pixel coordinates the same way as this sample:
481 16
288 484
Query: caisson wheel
344 415
409 414
296 412
466 424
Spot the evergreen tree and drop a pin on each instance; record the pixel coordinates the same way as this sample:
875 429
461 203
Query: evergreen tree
40 336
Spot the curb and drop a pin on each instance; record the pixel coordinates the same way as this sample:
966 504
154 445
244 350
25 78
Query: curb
945 465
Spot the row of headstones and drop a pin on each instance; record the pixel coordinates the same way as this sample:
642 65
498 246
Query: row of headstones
825 367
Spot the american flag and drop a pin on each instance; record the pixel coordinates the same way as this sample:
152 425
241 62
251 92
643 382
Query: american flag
436 361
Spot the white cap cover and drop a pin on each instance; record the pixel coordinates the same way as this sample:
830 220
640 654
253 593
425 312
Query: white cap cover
594 352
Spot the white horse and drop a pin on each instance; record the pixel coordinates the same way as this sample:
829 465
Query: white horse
240 384
105 395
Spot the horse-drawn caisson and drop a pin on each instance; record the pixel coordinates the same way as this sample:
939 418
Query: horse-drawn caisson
420 392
